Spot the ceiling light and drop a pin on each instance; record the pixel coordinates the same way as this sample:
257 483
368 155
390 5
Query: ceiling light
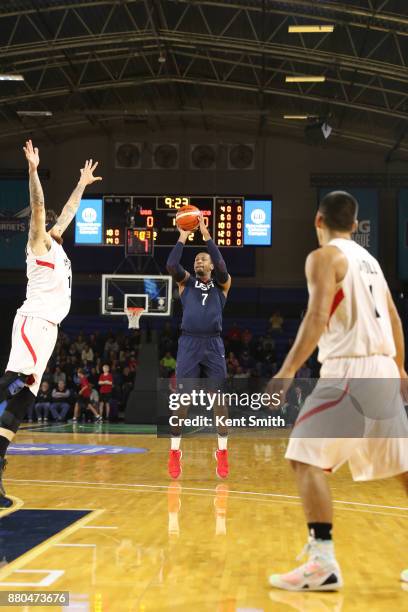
305 79
305 29
11 77
296 116
28 113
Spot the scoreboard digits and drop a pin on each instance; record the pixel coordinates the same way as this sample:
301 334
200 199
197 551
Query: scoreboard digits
225 217
229 221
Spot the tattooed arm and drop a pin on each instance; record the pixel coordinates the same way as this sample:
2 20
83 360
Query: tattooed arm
38 240
71 207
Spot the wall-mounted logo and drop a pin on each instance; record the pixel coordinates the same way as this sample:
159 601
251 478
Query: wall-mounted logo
89 215
88 222
258 216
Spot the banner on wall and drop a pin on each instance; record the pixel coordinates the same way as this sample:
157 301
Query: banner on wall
403 234
367 231
14 220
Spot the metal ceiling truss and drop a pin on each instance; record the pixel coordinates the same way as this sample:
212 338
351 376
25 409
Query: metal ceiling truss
90 55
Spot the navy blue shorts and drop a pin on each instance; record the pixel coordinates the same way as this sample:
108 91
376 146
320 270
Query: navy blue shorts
201 357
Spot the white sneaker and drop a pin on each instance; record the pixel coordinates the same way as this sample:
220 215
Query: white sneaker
321 572
404 575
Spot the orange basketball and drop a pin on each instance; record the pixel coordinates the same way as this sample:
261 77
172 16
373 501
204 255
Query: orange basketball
187 217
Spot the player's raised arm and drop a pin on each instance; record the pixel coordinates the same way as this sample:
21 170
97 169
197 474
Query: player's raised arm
37 233
324 268
71 207
173 265
220 268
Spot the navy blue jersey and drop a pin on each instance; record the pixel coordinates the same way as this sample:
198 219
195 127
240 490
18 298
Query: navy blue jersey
203 304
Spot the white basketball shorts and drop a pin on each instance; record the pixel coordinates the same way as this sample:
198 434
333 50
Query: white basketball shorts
33 341
355 414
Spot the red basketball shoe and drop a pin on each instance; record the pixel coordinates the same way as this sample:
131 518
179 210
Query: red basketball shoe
174 463
222 463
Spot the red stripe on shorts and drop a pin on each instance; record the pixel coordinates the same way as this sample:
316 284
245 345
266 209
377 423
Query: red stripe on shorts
27 342
322 407
47 264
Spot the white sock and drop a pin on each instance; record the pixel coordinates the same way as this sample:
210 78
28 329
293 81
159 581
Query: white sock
222 442
175 443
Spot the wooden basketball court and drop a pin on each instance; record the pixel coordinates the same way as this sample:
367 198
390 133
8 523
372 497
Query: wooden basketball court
120 549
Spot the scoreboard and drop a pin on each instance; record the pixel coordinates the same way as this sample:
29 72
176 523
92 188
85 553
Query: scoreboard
128 218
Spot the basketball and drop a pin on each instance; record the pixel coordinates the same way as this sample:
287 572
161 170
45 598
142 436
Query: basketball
187 218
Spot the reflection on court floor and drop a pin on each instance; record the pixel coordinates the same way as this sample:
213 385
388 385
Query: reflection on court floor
115 533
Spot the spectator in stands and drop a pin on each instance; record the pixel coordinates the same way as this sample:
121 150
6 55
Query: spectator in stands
232 362
72 350
42 404
234 333
87 353
258 350
59 375
276 322
60 402
79 344
111 345
105 391
94 398
246 361
132 361
268 342
246 338
128 379
83 398
47 376
168 363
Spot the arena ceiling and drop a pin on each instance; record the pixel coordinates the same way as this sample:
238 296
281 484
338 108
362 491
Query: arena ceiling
214 64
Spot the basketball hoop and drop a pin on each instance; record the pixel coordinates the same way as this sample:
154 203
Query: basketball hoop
133 314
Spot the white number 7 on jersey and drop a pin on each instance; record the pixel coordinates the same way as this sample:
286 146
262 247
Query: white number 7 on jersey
205 296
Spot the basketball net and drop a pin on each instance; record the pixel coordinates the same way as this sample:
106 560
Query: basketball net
133 314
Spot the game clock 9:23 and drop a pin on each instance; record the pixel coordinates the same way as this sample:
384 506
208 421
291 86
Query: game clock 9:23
172 202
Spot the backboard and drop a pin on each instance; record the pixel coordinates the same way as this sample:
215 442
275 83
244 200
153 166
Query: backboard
151 291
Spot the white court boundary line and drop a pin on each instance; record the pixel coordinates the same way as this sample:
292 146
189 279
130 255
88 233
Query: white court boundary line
114 485
212 491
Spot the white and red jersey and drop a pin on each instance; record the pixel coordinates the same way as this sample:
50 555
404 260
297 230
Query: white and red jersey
49 285
359 324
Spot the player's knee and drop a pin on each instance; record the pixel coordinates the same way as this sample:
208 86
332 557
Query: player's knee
11 383
9 421
16 410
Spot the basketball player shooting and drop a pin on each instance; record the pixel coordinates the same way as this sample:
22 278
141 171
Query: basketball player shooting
352 318
47 303
201 348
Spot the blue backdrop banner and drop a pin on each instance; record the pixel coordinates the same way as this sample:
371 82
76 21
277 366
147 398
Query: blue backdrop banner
14 217
367 232
403 234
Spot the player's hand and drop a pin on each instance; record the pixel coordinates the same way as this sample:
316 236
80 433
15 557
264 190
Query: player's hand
404 385
32 156
278 386
203 228
87 176
184 234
